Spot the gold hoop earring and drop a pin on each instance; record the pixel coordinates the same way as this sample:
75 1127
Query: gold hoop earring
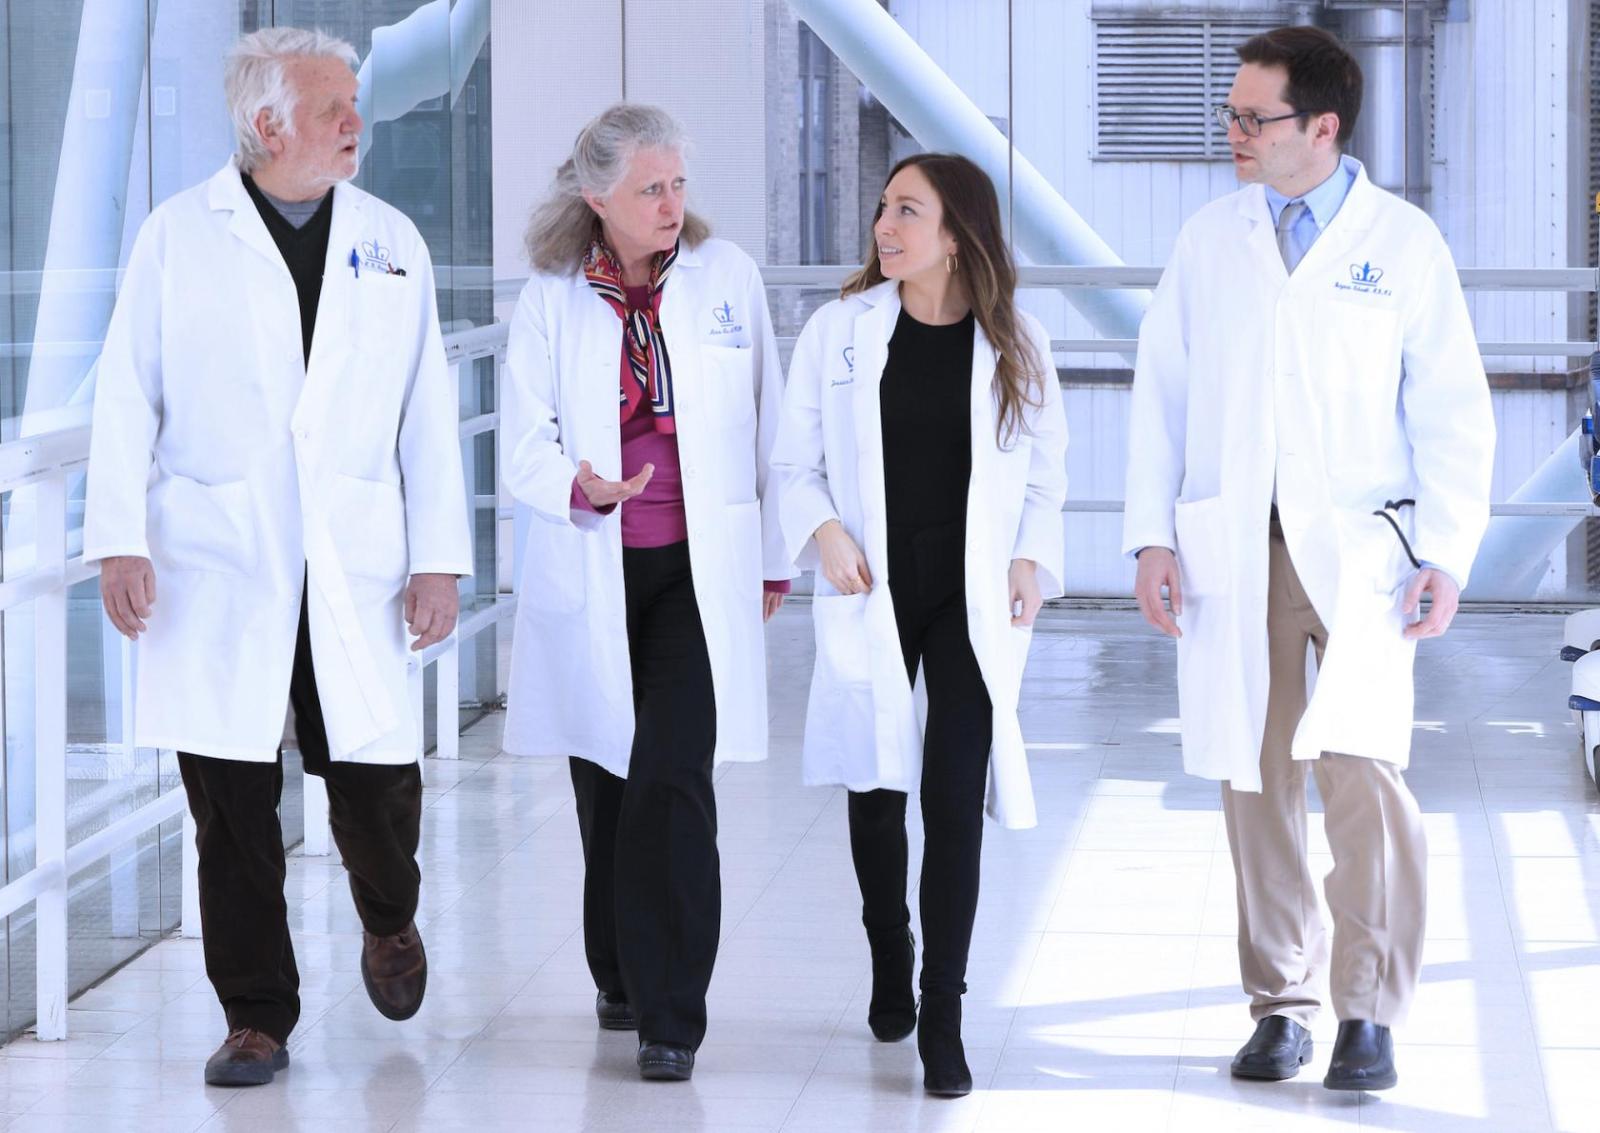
950 263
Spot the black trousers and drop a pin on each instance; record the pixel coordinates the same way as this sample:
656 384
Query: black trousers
376 815
652 888
927 582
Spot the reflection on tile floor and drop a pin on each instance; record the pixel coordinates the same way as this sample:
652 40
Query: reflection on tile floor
1104 987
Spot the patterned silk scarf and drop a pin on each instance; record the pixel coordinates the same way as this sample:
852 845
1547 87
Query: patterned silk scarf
647 347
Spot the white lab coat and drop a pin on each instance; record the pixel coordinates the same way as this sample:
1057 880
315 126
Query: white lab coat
241 471
571 689
862 725
1356 382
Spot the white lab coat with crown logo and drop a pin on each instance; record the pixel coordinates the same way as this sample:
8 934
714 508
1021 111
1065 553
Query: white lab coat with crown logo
862 726
1353 384
247 474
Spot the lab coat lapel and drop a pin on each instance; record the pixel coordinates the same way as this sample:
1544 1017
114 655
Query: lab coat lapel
870 343
1261 238
227 192
1348 227
680 302
334 338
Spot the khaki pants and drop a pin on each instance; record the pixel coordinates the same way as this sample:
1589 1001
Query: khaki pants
1377 890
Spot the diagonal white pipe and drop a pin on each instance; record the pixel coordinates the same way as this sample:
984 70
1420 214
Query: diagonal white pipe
938 113
89 205
426 55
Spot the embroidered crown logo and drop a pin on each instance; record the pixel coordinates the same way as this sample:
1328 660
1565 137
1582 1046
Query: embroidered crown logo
1365 273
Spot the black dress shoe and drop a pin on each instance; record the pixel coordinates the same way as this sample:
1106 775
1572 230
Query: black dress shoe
1276 1051
614 1012
1363 1057
944 1059
892 1015
665 1062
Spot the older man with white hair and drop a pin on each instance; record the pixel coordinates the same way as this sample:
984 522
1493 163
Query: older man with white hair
275 440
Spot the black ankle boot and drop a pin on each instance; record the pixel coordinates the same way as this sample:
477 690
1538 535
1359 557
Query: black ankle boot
944 1059
892 1014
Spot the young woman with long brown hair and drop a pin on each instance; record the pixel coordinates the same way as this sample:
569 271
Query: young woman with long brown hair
922 457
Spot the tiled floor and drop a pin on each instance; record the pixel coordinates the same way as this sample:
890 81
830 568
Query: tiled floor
1104 985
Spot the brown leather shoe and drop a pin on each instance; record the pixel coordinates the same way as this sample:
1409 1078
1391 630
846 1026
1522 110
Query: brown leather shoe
395 970
246 1058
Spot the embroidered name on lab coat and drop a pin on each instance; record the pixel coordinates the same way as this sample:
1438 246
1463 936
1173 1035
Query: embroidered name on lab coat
725 321
1364 279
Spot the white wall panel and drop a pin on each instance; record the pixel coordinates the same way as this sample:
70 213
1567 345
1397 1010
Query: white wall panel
556 65
703 60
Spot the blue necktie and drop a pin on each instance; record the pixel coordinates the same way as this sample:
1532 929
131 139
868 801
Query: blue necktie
1288 247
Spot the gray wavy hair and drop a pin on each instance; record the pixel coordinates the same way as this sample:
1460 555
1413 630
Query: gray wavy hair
563 224
254 79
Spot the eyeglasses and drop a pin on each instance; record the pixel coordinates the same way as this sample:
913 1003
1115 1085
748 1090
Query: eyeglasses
1251 124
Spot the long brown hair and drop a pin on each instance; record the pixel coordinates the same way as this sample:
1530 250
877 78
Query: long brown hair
987 276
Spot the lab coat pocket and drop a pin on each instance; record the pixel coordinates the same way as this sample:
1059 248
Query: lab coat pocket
1359 341
555 568
195 526
382 308
1203 558
729 382
369 529
844 654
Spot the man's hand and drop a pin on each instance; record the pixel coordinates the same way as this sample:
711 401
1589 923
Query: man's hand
128 589
432 603
1446 600
1158 567
1024 579
771 603
843 564
608 493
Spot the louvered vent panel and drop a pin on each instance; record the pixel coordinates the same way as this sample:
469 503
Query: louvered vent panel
1156 81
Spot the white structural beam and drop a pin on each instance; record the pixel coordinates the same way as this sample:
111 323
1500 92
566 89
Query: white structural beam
90 200
426 55
1516 550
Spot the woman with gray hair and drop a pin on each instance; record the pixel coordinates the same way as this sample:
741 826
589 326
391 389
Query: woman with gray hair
639 646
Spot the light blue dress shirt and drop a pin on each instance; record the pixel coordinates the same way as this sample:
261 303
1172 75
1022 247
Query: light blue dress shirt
1322 205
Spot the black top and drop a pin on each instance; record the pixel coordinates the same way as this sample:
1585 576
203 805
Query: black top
926 402
304 251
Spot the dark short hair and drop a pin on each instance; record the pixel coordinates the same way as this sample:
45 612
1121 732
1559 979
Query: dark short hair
1324 78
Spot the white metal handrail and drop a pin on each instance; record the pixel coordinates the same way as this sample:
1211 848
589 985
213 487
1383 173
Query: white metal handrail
43 466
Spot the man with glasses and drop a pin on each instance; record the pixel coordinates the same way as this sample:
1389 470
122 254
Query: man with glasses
1311 455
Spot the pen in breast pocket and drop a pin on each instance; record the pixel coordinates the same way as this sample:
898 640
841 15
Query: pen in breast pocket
355 263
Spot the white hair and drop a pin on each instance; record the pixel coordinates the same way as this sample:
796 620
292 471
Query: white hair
563 224
254 79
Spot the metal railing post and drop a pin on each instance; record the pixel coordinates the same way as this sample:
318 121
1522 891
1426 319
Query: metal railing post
318 835
190 924
50 756
447 701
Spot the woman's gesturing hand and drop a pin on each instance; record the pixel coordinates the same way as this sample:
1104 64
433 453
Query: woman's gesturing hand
606 493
